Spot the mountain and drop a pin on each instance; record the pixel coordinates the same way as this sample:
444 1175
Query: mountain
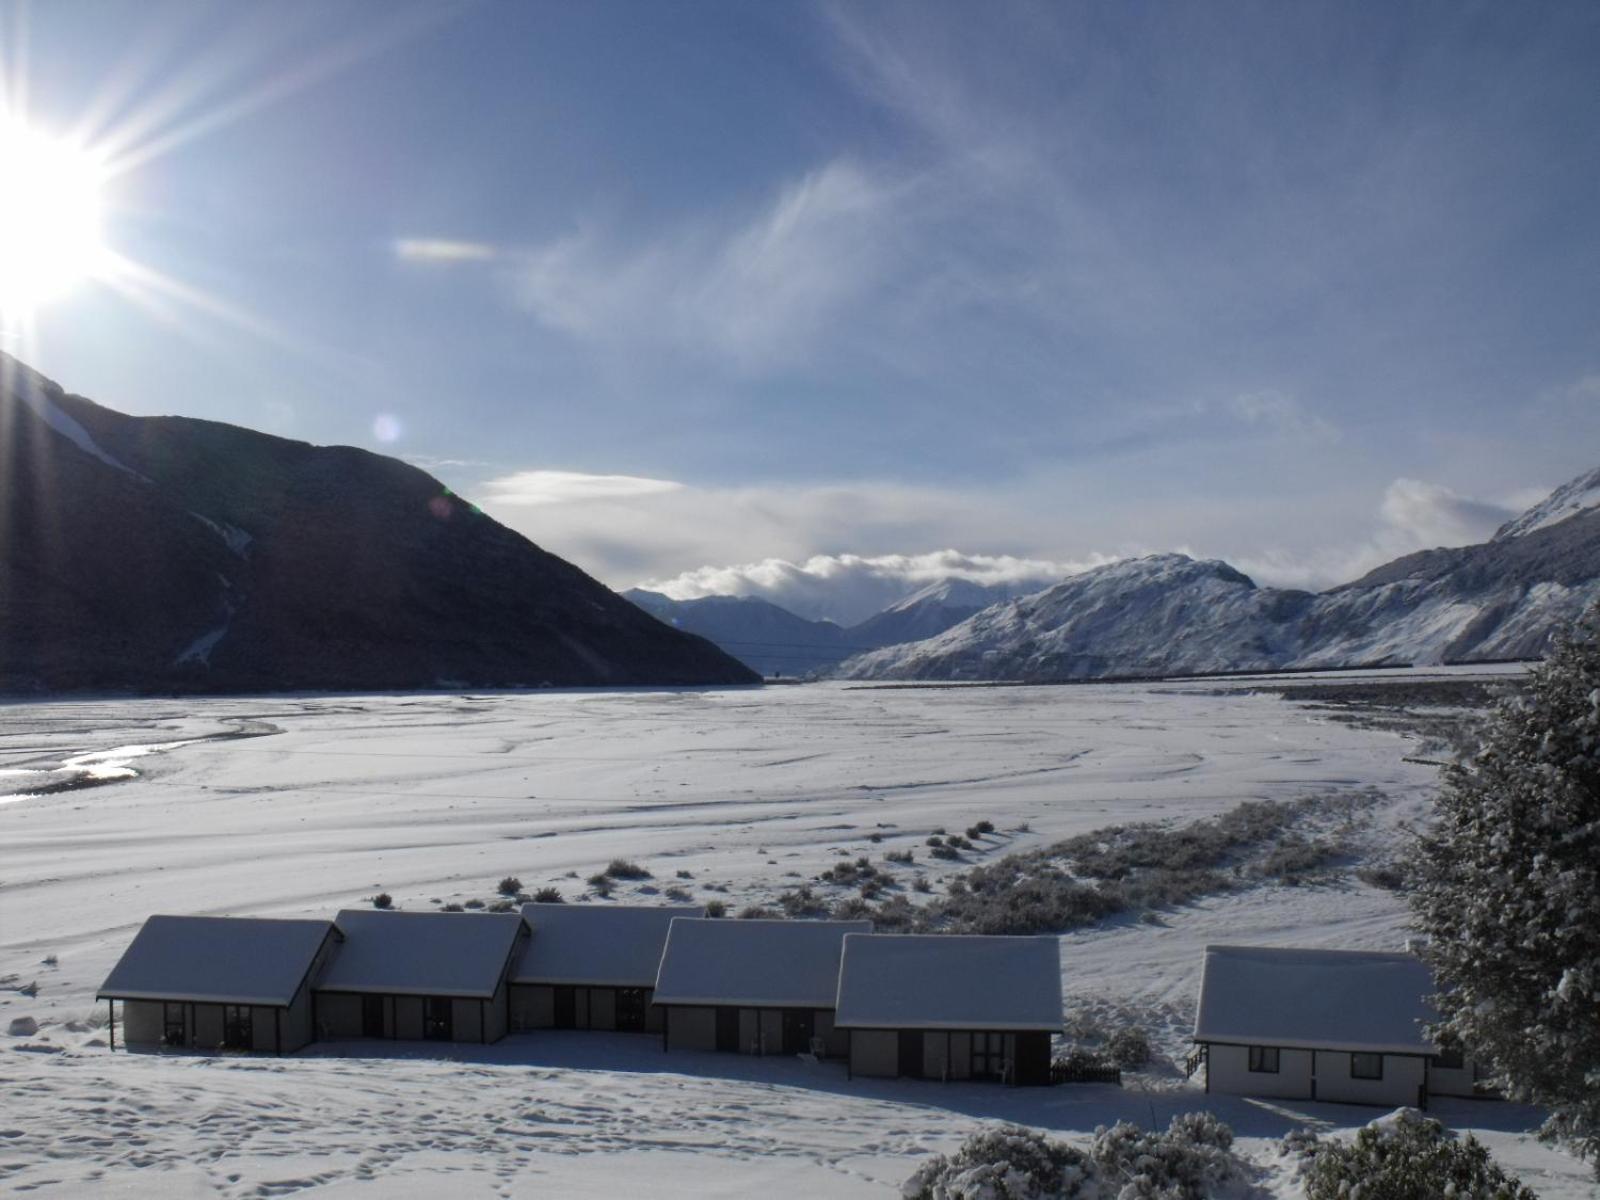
928 612
183 555
1168 614
763 636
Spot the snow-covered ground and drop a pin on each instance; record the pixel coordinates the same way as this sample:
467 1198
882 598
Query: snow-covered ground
434 798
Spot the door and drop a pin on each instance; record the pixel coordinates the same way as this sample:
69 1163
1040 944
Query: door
174 1026
372 1016
238 1031
1033 1059
631 1004
798 1026
728 1030
566 1008
436 1022
911 1053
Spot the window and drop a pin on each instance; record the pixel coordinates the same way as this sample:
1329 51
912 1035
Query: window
1366 1066
238 1031
1450 1058
1264 1059
174 1029
631 1005
988 1055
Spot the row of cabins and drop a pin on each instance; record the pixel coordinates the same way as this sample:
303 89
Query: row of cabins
888 1004
1276 1022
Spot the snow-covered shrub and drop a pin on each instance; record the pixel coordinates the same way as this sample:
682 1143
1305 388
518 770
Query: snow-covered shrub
1010 1163
1507 886
1129 1047
1406 1156
1192 1160
510 886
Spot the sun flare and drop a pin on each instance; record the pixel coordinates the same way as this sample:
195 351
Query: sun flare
50 218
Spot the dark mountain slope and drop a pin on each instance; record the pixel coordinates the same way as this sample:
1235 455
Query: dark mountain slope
180 554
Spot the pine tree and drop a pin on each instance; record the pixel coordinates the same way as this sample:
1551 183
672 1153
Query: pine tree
1507 887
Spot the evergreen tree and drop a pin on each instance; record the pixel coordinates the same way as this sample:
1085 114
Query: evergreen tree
1507 887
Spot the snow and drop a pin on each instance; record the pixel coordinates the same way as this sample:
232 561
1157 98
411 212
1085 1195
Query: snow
232 536
421 953
897 981
776 964
439 796
1315 999
1568 500
200 649
217 960
29 387
604 945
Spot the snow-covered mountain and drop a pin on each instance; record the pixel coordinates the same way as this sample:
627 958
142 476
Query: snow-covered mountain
931 610
763 636
182 555
1168 614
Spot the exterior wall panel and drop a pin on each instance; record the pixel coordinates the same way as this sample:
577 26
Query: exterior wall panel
408 1018
875 1053
141 1023
1401 1082
338 1015
1228 1071
692 1029
533 1006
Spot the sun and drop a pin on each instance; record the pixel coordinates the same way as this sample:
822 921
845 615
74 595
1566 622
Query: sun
50 218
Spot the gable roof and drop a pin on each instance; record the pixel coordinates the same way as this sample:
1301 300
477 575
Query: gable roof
422 953
939 981
1315 999
772 964
217 960
609 945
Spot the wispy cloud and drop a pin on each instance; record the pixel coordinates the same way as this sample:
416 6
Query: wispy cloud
444 250
531 488
1278 413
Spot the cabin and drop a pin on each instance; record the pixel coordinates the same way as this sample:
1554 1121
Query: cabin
219 983
442 977
592 966
1339 1025
753 987
950 1007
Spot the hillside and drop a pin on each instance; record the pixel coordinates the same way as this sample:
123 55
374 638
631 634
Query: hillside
1169 614
165 553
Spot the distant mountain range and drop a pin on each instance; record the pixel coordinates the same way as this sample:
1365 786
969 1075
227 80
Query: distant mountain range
776 642
1169 614
164 553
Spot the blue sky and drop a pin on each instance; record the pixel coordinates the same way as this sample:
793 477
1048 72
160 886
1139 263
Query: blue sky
672 287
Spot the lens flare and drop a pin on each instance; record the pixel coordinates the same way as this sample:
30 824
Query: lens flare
50 218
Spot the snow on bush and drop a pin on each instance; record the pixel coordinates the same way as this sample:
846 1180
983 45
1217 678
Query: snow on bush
1192 1160
1403 1156
1129 1047
1507 885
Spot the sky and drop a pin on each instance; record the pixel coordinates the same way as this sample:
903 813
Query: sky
705 294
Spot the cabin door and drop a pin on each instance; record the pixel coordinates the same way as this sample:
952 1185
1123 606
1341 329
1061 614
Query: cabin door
728 1030
911 1053
631 1004
566 1016
372 1016
238 1032
798 1026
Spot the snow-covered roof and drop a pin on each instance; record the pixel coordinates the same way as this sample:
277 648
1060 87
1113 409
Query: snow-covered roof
422 953
896 981
608 945
775 964
1315 999
217 960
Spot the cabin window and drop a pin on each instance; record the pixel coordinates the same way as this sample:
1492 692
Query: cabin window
631 1005
238 1031
988 1055
1366 1066
1450 1058
174 1028
1264 1060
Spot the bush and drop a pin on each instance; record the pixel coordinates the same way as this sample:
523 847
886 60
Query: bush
1405 1156
982 827
678 894
383 900
510 886
1129 1047
1010 1163
904 857
600 882
874 838
451 907
474 904
502 906
935 840
959 842
949 853
1192 1160
921 884
549 895
621 868
757 912
716 908
682 874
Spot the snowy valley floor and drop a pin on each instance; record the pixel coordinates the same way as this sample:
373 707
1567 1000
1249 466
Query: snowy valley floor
435 798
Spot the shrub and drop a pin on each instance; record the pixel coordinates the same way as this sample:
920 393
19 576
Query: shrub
973 833
451 907
983 827
1129 1047
1010 1163
502 906
874 838
474 904
949 853
549 895
921 884
904 857
959 842
510 886
716 908
1391 877
1406 1156
802 902
383 900
600 882
681 895
852 908
1192 1160
935 840
682 874
621 868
